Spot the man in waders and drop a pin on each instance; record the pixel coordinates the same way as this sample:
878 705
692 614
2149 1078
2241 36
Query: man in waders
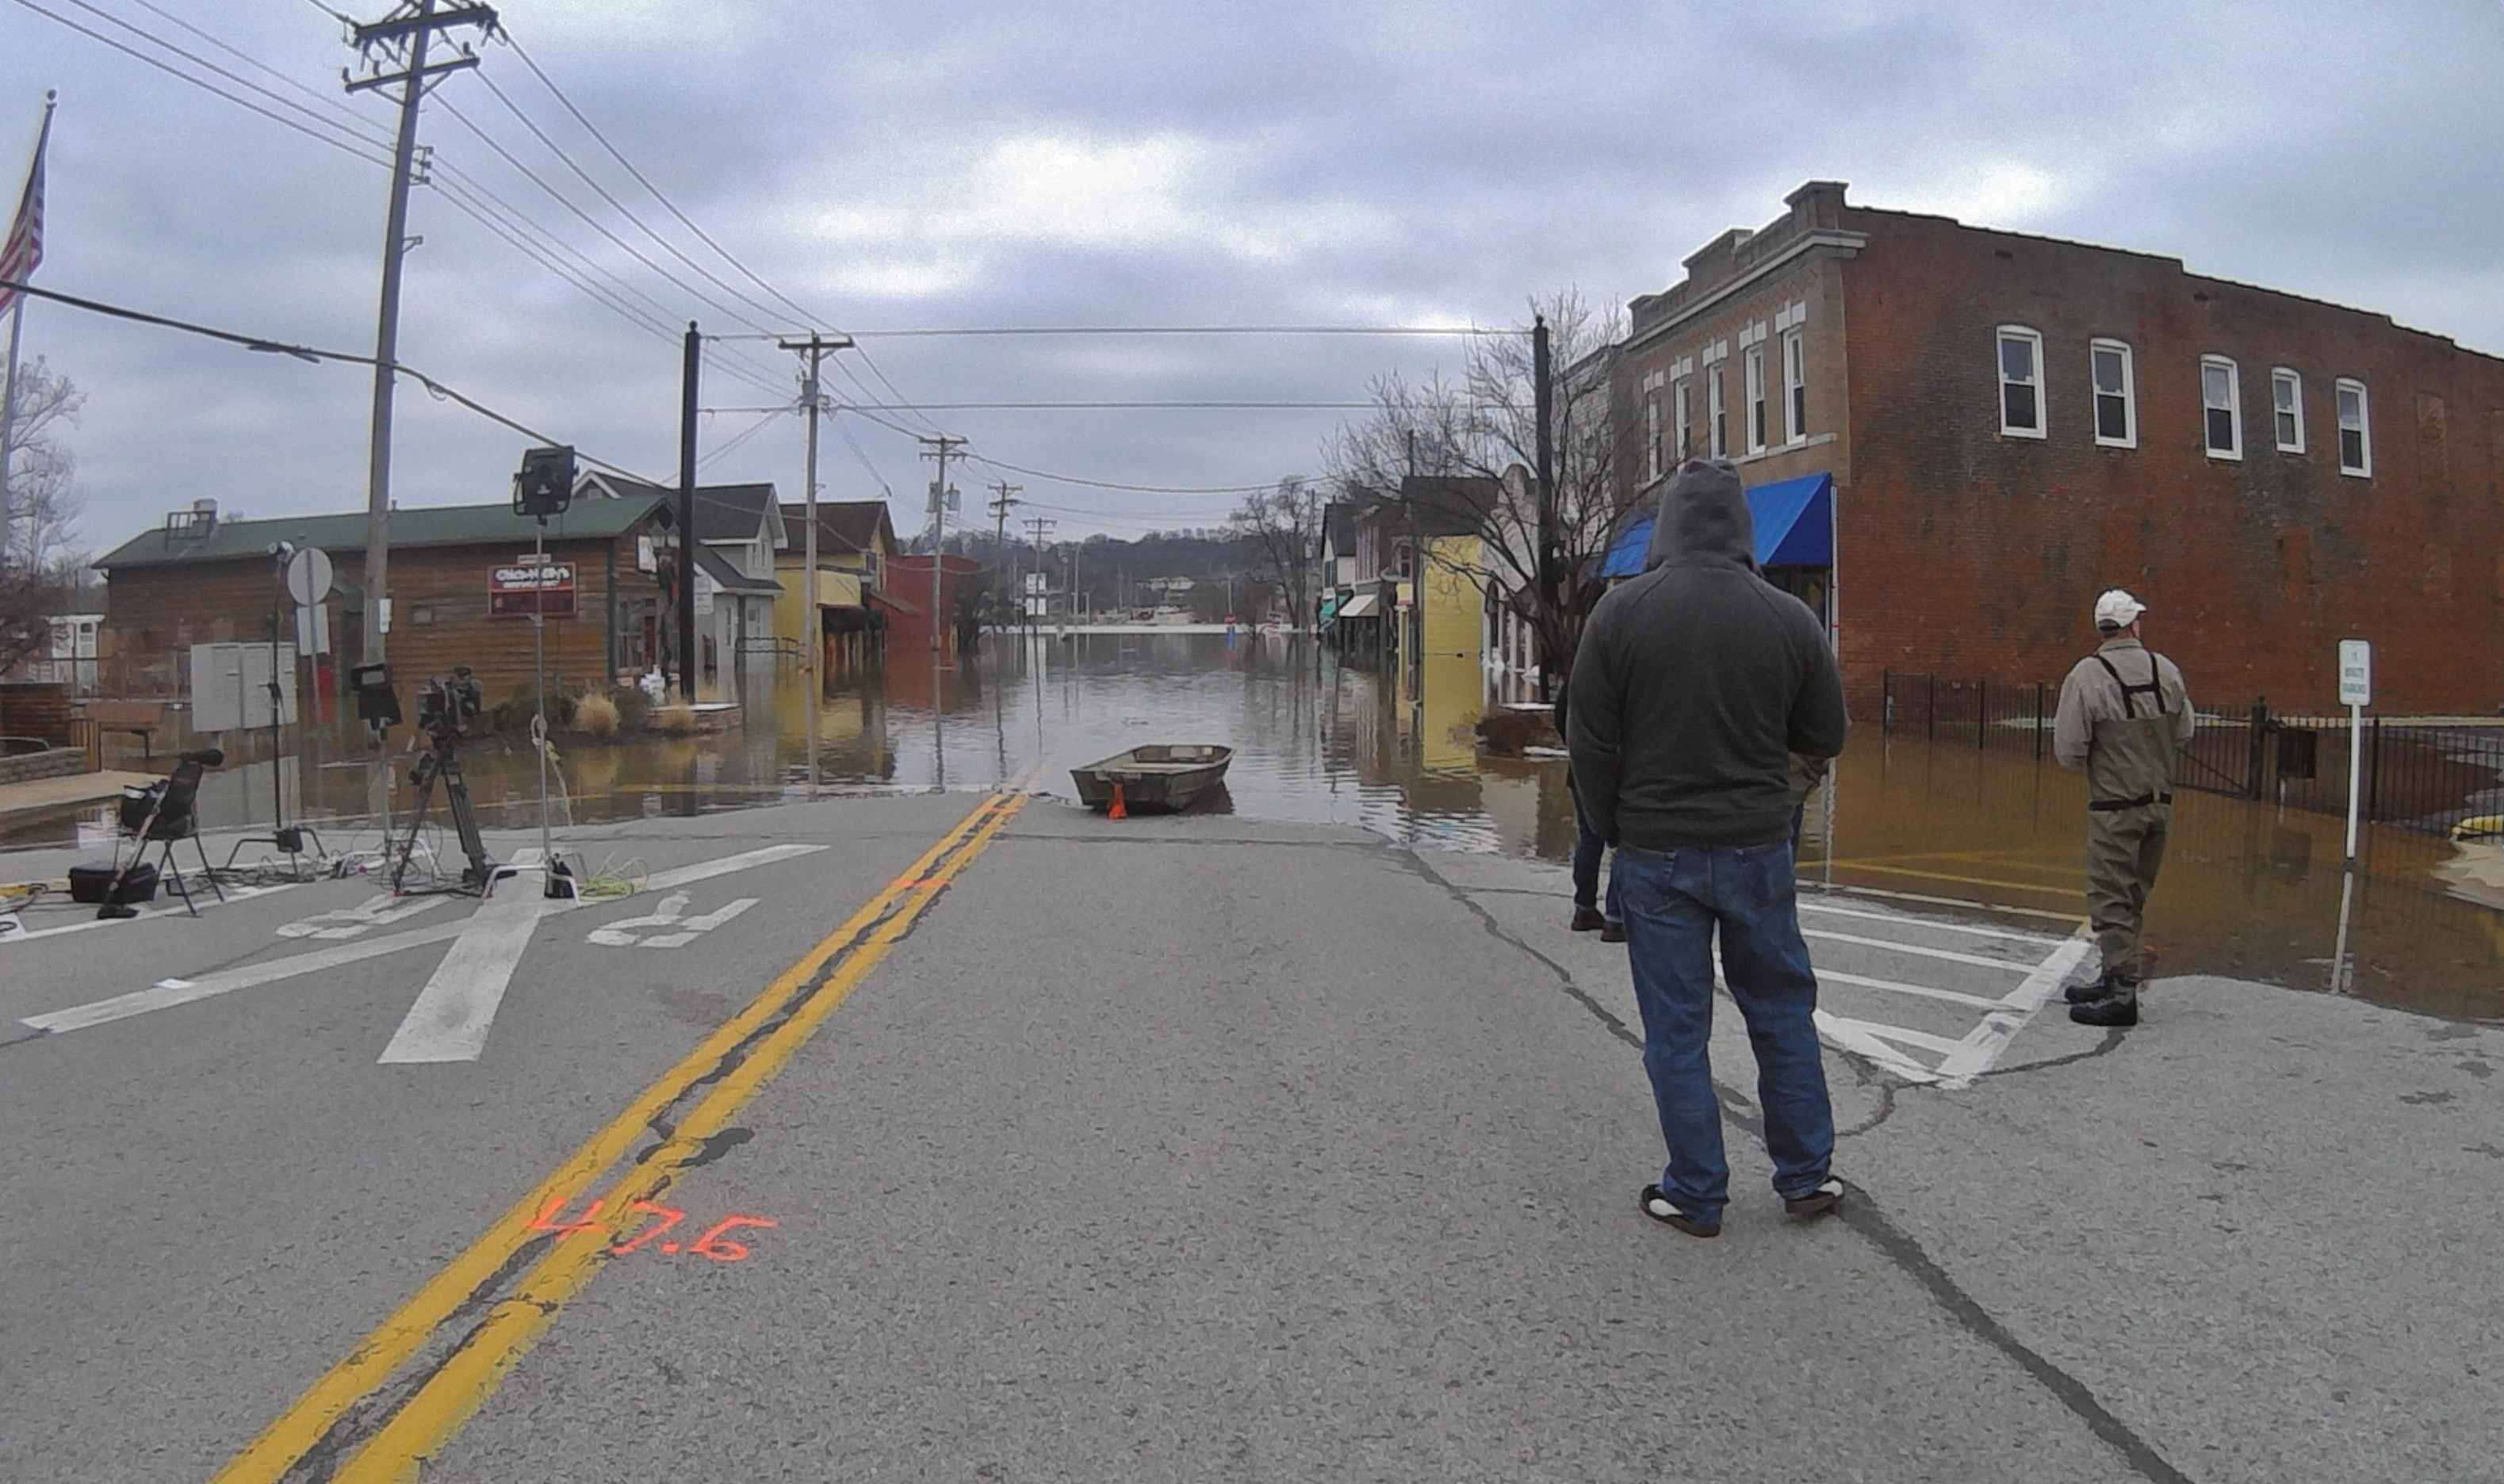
2124 717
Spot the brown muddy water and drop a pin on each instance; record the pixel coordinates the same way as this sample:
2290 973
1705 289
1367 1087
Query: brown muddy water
2249 890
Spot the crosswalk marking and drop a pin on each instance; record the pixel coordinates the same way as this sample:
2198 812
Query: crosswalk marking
1918 950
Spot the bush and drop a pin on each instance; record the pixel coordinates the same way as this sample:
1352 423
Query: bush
633 705
596 715
678 720
514 714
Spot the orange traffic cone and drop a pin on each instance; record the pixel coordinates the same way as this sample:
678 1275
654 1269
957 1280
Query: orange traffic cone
1115 808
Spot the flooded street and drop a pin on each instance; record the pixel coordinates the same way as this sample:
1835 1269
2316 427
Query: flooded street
2247 890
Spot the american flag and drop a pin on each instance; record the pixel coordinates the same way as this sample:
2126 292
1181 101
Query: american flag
25 247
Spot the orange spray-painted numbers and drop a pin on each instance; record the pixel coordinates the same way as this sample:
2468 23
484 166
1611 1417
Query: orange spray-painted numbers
546 1219
712 1244
670 1216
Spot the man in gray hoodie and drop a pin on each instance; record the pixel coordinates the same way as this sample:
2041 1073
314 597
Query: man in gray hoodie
1695 685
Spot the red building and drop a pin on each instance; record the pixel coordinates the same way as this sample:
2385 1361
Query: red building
2014 423
905 599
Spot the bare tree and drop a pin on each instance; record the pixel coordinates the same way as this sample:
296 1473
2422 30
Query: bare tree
1487 426
44 501
1283 527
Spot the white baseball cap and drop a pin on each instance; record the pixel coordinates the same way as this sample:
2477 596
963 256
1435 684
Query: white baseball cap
2117 610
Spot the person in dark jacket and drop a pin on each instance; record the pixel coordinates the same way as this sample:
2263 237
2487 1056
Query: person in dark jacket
1696 684
1589 847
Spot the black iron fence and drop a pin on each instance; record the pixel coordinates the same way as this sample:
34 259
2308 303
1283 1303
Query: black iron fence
2432 776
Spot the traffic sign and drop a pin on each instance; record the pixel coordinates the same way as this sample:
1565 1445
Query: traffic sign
2356 671
308 577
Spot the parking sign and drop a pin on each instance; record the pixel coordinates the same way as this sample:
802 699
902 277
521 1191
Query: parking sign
2355 673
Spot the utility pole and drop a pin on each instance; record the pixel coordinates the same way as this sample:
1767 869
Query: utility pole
1003 495
404 33
813 632
691 368
1041 526
1542 408
942 448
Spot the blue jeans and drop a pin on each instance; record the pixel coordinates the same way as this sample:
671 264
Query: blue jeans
1588 845
1674 902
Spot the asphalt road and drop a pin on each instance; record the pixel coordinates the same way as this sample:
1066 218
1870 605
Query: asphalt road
1190 1148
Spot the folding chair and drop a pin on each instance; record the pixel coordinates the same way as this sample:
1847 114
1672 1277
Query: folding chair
165 813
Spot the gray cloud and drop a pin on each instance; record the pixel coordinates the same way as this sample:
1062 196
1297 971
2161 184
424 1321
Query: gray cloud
891 165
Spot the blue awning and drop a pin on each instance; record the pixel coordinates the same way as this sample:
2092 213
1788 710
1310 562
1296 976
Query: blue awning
1794 519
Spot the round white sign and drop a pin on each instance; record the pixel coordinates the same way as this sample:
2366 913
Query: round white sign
308 577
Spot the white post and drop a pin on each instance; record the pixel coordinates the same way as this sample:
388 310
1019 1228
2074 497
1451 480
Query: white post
2356 691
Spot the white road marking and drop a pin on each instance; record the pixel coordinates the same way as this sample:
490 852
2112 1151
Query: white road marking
1944 956
1983 1046
166 993
450 1020
208 901
174 991
1895 986
358 920
2041 940
1862 1039
707 870
668 913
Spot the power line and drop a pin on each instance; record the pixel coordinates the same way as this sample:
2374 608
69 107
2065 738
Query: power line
639 179
561 199
1188 329
379 137
1107 484
1218 407
171 70
310 352
623 210
731 445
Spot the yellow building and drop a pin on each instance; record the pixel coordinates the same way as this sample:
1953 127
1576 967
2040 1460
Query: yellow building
854 540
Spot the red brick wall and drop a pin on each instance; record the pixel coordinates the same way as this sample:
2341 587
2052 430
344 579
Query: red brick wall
1977 555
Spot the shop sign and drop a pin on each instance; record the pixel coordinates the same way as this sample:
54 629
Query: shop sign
522 590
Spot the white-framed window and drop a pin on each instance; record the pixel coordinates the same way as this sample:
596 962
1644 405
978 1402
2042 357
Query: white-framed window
1682 418
1716 413
2286 410
2356 427
1757 411
2021 382
1794 387
1652 439
2108 367
2221 407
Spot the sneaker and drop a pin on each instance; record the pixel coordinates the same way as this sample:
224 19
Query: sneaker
1816 1203
1657 1205
1586 918
2113 1010
1613 931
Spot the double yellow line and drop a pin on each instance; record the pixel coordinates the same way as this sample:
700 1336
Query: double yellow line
728 1067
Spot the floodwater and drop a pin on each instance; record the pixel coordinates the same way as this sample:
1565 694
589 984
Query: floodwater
2247 889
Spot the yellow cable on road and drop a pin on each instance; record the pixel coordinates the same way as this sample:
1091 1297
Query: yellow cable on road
805 993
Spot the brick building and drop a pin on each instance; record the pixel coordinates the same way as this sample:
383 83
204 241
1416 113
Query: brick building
2013 423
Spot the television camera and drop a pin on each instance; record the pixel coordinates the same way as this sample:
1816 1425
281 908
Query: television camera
448 707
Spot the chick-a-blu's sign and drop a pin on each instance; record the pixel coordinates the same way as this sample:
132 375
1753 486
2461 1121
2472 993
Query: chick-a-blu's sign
520 591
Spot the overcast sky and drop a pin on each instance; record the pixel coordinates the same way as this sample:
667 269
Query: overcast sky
925 165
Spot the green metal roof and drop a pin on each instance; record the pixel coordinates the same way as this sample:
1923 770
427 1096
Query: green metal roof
425 526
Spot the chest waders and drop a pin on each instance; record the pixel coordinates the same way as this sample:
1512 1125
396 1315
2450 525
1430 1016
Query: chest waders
2130 793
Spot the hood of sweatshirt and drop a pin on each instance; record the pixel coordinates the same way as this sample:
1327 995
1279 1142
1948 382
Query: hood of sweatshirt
1703 516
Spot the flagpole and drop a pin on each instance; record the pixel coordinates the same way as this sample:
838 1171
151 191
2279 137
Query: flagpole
9 420
29 213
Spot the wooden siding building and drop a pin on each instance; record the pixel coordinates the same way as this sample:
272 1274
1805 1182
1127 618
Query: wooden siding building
202 579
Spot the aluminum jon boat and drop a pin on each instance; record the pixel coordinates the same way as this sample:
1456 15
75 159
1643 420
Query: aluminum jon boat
1160 775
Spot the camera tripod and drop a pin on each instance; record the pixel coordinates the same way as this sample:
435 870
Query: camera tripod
442 760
